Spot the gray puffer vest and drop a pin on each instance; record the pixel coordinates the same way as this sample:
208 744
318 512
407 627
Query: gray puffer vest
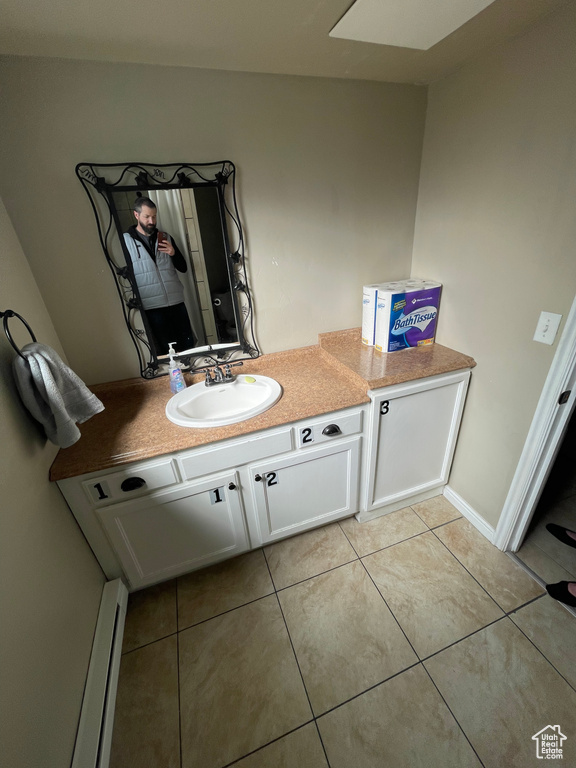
158 283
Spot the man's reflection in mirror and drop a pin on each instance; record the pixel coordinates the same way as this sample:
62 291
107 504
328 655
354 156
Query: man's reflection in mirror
156 261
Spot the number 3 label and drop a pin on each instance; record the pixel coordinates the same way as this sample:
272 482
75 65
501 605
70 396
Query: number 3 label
384 407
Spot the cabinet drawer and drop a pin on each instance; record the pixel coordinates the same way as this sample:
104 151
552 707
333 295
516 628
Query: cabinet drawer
107 489
205 462
327 430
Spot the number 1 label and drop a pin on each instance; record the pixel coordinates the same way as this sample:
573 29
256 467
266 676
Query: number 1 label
217 495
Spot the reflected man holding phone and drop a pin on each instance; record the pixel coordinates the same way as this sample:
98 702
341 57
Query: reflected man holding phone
156 261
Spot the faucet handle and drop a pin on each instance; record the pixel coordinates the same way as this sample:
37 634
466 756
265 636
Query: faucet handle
228 372
208 380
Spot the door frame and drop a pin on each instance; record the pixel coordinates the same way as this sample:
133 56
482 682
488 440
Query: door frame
542 443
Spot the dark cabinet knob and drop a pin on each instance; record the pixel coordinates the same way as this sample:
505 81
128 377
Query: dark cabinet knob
258 478
332 429
132 484
231 487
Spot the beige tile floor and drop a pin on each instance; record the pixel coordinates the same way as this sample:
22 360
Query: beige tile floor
405 641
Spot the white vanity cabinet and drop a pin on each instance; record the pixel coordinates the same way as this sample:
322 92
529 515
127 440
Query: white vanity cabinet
411 441
152 520
157 519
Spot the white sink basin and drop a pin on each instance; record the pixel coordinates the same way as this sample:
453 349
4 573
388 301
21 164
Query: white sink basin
222 404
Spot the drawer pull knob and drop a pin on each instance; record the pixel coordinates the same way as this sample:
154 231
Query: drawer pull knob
132 484
258 478
332 429
231 487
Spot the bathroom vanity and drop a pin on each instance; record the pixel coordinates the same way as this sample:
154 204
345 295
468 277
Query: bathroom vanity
355 432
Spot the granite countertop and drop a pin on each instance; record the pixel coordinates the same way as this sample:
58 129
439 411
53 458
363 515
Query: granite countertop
382 369
334 375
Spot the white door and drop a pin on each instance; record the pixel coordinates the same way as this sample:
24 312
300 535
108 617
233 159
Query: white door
173 532
413 434
306 490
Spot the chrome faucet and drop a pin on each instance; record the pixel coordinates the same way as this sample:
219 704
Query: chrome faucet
220 377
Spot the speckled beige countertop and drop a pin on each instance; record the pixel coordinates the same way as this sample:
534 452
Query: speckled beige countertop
380 369
329 377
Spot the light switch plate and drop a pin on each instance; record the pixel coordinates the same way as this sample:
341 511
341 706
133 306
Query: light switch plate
547 327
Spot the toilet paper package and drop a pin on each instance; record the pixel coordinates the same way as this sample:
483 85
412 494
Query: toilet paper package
406 314
370 301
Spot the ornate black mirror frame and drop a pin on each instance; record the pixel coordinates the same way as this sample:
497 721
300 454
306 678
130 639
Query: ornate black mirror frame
101 182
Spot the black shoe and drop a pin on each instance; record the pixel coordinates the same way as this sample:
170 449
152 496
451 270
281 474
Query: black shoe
560 592
561 534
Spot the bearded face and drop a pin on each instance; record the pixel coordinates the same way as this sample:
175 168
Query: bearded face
146 220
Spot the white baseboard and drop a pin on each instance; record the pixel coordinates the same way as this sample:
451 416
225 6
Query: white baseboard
469 513
94 737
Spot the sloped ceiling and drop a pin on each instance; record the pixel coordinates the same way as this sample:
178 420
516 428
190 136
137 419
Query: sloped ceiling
273 36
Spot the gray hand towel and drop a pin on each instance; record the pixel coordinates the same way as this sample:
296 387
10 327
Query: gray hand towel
53 393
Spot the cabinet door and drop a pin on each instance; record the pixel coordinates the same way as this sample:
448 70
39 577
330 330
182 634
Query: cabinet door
413 435
173 532
306 490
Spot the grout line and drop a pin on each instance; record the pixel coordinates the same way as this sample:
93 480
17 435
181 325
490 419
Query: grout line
263 746
309 578
482 587
370 688
301 581
388 546
348 538
441 525
528 602
541 652
454 716
269 571
461 639
321 741
296 657
390 609
228 610
145 645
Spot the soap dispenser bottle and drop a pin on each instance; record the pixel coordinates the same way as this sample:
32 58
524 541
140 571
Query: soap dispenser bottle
177 383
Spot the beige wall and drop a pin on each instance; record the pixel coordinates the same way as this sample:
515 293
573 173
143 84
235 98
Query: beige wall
496 224
51 583
327 173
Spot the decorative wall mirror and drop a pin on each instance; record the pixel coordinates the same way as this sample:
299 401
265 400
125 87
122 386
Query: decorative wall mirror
178 260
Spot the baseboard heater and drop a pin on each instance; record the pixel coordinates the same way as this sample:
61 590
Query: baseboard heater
94 737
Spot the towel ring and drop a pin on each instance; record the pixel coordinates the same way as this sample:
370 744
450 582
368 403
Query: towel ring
10 313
